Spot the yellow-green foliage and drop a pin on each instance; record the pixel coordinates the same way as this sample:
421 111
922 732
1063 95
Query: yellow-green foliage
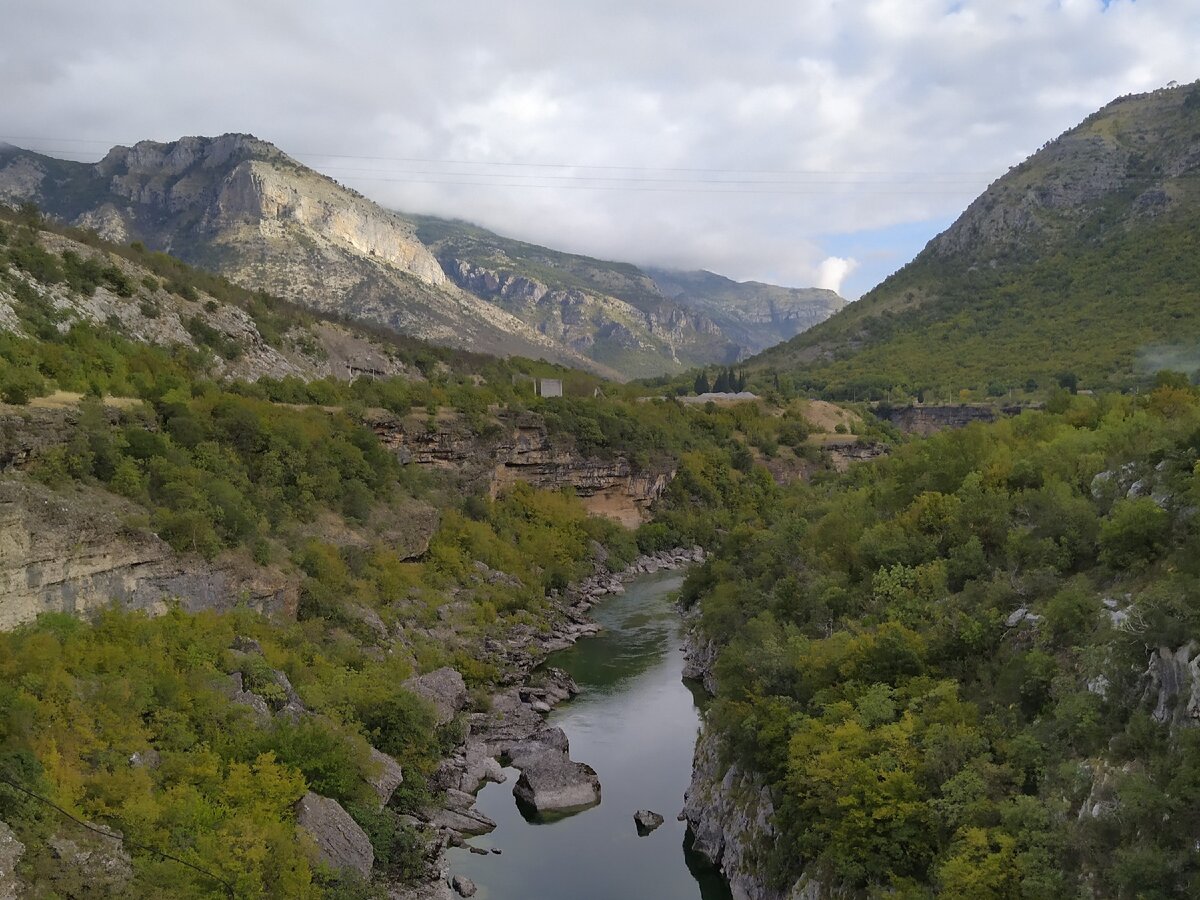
77 701
914 741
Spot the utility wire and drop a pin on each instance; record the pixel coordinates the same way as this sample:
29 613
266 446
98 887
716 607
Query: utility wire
625 184
542 165
4 779
821 183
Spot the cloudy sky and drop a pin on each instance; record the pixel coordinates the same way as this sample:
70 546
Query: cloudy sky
802 142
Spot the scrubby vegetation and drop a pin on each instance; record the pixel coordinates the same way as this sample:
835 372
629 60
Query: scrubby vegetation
936 661
131 723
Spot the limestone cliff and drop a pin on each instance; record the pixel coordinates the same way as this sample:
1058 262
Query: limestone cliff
604 327
241 206
77 551
154 314
730 817
640 321
926 420
752 314
519 448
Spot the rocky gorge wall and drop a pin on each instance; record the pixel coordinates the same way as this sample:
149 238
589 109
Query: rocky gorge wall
79 553
519 449
729 811
925 420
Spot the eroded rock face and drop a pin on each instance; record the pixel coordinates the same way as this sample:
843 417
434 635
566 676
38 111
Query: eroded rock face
731 817
1172 685
73 554
592 321
97 863
240 205
338 839
523 451
925 420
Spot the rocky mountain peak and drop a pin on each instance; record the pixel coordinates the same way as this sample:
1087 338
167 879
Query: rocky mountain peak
174 158
1126 155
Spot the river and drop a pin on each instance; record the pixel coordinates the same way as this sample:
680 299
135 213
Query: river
635 722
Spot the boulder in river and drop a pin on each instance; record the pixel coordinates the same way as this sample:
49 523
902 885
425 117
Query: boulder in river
463 885
646 820
547 741
556 783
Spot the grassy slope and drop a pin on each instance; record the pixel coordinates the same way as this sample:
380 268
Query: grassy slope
1066 264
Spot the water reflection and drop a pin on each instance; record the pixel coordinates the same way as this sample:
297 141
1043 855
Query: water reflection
635 722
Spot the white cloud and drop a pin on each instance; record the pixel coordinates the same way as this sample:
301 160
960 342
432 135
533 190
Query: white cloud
833 271
881 112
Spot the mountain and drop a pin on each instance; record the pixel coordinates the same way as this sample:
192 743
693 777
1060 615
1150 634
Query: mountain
618 314
754 315
240 205
1084 260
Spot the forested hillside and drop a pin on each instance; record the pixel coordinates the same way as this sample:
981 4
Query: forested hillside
193 414
969 669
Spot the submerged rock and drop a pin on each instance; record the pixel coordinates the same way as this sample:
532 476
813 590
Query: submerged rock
646 820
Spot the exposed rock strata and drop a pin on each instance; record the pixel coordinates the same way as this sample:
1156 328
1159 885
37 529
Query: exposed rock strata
240 205
60 556
926 420
521 450
730 812
730 815
1172 685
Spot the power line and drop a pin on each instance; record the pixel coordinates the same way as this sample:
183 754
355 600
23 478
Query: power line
627 184
662 190
549 165
896 182
4 779
633 179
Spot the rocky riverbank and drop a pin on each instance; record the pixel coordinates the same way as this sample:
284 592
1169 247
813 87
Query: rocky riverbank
513 731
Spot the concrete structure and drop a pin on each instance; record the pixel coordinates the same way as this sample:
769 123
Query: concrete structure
550 387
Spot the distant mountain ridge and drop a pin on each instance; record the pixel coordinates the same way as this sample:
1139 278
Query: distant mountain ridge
618 313
1082 261
240 205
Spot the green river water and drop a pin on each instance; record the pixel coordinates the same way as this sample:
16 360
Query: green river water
635 722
